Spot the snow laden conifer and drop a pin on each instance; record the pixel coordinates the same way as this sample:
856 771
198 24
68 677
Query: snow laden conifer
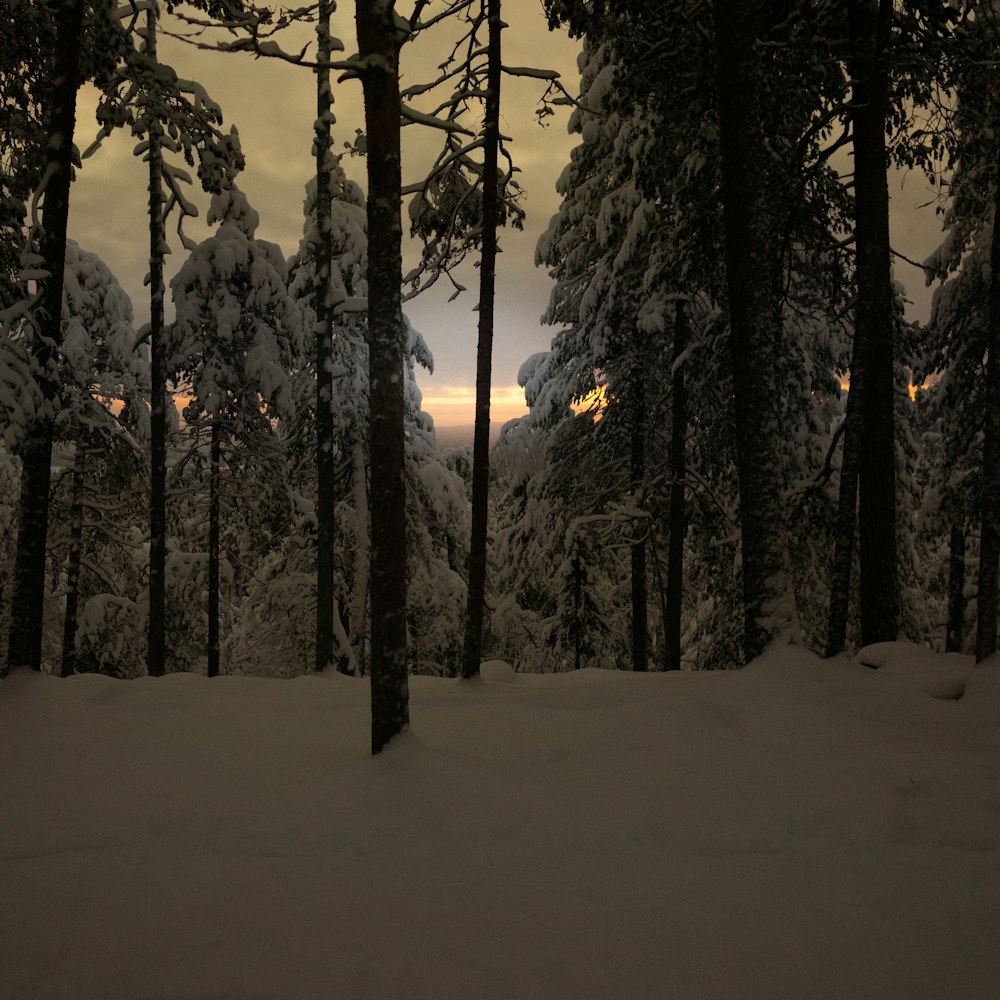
102 426
53 74
636 260
236 333
169 115
99 427
334 369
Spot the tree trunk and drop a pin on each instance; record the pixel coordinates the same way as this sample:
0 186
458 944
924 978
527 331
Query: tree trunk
637 473
325 470
956 590
755 324
989 545
28 599
378 41
873 319
215 457
73 559
473 649
678 513
847 506
156 639
359 595
577 609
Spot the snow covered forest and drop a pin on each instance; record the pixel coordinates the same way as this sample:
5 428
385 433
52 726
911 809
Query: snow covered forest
234 554
252 487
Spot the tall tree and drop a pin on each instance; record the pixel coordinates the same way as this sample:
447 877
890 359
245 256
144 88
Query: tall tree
747 196
472 653
156 647
25 648
325 459
637 474
236 331
100 373
171 115
678 500
989 542
343 235
870 22
379 40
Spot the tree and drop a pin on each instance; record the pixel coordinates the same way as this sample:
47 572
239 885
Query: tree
175 116
324 308
472 653
678 502
989 544
747 196
25 648
100 373
233 341
873 321
380 35
959 345
335 240
755 83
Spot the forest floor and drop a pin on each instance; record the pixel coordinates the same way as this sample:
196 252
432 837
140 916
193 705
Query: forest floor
798 830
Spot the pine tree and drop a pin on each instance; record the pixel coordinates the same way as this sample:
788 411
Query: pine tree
25 645
236 333
379 39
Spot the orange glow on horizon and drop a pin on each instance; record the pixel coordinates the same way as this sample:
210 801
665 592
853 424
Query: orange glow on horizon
455 405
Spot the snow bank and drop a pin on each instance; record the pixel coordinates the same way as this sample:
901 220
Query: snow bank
799 829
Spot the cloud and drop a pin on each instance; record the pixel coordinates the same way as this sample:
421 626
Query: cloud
273 105
454 405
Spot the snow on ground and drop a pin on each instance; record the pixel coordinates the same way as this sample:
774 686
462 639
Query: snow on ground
797 830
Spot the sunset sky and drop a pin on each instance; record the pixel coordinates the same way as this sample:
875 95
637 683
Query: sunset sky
273 105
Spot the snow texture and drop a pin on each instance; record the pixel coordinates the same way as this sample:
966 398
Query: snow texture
799 829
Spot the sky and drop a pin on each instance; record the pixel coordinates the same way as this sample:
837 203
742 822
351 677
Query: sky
273 105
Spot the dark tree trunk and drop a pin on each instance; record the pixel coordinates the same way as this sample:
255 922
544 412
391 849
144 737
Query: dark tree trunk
989 545
472 653
637 475
28 599
577 610
28 604
325 467
956 590
847 507
752 277
215 457
678 513
377 45
873 319
156 639
73 559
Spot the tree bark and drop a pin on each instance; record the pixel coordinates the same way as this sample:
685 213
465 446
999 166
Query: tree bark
873 318
577 609
73 559
378 42
156 652
325 467
215 457
678 513
28 598
847 506
359 595
989 545
637 474
755 325
472 653
956 590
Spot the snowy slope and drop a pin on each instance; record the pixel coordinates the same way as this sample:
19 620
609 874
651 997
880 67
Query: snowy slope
798 829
